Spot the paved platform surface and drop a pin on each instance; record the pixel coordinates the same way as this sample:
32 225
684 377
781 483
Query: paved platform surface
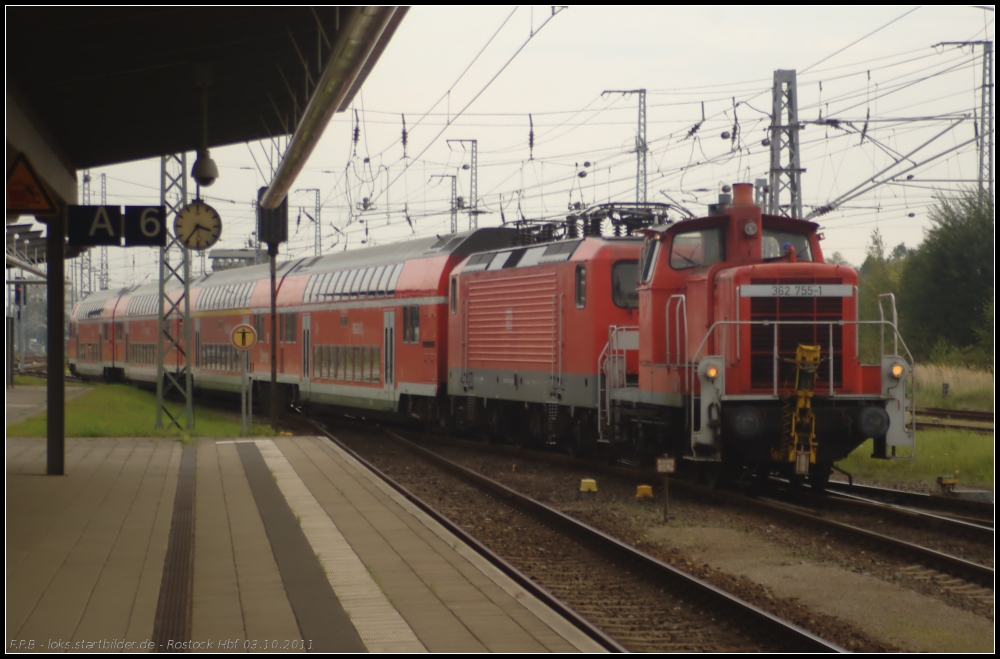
27 401
295 547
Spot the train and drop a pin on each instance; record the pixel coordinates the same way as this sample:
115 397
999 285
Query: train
724 341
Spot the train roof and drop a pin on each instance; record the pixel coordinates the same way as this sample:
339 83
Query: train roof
536 254
460 244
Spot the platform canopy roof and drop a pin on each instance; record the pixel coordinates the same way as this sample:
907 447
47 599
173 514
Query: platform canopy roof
93 86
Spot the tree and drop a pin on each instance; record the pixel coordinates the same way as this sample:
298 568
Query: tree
838 259
877 275
947 284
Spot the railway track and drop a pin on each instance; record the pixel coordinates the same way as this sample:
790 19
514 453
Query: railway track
931 420
964 427
976 531
975 577
970 510
636 599
982 416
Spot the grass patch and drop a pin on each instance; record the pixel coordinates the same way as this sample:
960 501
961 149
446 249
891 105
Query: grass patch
35 381
938 453
967 388
117 410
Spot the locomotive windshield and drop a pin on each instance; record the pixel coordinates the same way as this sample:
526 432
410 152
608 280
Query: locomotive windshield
624 276
694 248
775 241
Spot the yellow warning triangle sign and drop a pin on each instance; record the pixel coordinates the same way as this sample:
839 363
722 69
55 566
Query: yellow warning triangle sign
26 192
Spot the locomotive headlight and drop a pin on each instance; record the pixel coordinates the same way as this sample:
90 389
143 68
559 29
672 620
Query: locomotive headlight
710 370
897 370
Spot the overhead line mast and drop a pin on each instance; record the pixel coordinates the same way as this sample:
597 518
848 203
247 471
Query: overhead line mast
103 277
985 124
473 184
173 196
86 263
784 139
640 143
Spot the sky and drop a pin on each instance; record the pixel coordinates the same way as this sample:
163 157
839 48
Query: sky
489 73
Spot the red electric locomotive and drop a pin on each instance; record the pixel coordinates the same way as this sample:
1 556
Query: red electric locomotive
527 325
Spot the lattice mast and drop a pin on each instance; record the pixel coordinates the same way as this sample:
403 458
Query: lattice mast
86 264
986 128
785 182
104 275
174 327
640 142
473 204
317 224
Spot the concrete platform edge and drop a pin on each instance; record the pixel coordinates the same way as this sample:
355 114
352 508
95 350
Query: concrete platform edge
557 623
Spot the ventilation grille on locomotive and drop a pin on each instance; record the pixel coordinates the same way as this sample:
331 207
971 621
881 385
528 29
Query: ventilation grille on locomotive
819 310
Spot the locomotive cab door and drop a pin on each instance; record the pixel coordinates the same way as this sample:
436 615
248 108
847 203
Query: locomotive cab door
304 388
389 357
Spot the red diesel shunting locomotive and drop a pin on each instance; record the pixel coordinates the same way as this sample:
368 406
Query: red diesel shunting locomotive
748 353
725 340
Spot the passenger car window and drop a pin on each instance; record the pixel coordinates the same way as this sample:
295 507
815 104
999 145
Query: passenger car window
695 248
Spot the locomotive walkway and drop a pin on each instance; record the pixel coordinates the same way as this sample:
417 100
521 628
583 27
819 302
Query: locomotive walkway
293 546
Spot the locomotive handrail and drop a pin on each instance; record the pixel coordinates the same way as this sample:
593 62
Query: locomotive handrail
695 358
609 375
679 309
881 315
721 323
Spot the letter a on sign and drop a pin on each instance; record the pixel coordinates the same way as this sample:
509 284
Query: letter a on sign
95 225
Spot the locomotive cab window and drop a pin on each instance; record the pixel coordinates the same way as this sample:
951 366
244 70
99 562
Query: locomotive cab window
647 259
775 241
696 248
581 285
624 276
454 294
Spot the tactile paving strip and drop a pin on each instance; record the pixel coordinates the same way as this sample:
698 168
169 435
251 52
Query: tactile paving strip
379 624
173 608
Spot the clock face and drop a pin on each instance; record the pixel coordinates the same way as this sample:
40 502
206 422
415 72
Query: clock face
198 226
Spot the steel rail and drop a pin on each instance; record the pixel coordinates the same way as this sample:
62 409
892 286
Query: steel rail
969 521
719 599
963 415
938 425
968 570
973 572
982 509
978 529
523 580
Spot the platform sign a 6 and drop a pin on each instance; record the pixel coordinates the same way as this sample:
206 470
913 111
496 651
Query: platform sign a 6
89 226
145 226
